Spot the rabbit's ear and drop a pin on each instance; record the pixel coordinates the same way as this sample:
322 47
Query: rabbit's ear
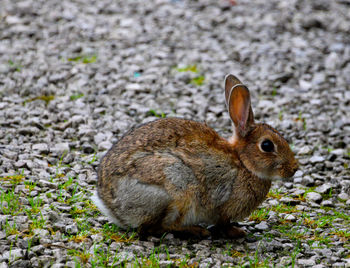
240 110
230 82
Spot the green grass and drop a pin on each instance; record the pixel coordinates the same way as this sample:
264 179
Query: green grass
275 193
30 185
93 159
259 215
9 203
198 81
10 229
16 66
82 257
76 96
280 114
12 179
45 98
155 113
274 92
37 221
302 119
188 68
84 58
35 203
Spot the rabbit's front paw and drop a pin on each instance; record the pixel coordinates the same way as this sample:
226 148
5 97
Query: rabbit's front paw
192 231
227 230
234 232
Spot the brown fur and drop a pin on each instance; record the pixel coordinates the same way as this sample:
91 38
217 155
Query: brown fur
173 174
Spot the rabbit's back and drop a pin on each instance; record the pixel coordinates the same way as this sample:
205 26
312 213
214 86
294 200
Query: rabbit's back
161 141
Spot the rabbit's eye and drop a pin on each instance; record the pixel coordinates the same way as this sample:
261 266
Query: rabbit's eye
267 146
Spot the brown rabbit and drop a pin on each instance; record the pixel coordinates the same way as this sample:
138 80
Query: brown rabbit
172 174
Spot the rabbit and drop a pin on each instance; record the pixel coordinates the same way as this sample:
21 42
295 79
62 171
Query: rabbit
176 175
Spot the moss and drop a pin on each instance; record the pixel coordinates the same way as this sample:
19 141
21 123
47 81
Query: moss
199 80
13 179
189 68
84 58
76 96
45 98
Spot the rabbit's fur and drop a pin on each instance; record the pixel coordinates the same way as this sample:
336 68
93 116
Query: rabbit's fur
173 174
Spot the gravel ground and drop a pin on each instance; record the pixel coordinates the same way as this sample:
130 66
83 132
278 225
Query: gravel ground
76 74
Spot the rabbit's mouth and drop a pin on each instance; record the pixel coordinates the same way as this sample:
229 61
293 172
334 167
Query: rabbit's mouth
264 176
275 177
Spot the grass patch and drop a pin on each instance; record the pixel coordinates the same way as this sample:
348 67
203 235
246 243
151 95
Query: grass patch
30 185
198 81
15 66
155 113
300 118
10 229
13 179
283 208
188 68
44 98
259 215
275 193
83 255
274 92
111 231
84 58
280 114
104 257
9 203
343 234
76 96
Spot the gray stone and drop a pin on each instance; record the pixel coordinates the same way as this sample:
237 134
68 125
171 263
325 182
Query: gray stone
44 183
324 188
105 145
305 85
42 148
315 197
41 232
307 181
71 229
298 173
290 218
305 150
99 137
343 196
306 262
327 203
262 226
317 159
338 152
331 61
319 266
318 79
12 255
60 148
125 256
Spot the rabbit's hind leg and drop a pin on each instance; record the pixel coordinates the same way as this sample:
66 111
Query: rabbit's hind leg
136 202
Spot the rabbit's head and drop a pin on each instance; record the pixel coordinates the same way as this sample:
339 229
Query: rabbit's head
261 148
